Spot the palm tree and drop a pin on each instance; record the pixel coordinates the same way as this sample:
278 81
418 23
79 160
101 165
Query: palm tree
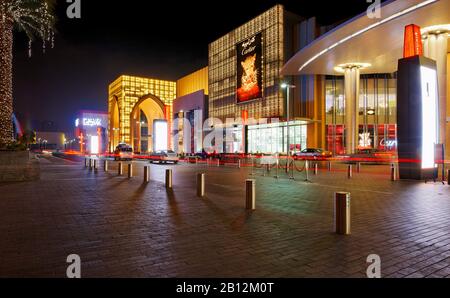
36 19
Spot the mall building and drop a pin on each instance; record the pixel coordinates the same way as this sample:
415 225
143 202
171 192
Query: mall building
334 87
140 113
354 69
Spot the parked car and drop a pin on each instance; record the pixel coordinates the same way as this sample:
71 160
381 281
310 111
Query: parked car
313 153
123 152
370 156
164 157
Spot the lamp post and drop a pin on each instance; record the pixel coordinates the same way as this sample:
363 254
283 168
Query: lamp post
288 111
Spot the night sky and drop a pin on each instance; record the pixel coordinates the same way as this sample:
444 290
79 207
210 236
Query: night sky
160 39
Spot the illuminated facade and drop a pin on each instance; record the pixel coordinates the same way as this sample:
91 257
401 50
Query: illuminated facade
91 130
354 70
191 106
245 79
135 105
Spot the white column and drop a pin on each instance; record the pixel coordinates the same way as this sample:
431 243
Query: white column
436 47
352 77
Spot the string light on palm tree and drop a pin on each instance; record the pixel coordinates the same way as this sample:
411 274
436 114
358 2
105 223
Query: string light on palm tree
36 19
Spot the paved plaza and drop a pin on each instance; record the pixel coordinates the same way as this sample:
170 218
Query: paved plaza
121 227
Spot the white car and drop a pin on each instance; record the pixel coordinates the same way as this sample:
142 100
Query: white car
123 152
164 157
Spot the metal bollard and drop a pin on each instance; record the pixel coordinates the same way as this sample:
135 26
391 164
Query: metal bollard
86 162
105 165
350 172
95 164
342 213
169 180
201 185
120 169
250 194
448 177
130 170
307 170
329 166
218 163
358 167
316 169
239 164
393 172
90 164
146 174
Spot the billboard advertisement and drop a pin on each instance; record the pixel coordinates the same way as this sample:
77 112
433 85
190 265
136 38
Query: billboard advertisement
249 69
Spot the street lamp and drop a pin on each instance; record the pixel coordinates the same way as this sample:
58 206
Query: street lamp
288 88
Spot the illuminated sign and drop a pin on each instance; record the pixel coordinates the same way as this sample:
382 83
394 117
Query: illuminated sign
413 41
249 69
91 122
430 119
160 135
95 145
364 140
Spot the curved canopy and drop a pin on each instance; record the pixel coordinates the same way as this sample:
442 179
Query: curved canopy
378 42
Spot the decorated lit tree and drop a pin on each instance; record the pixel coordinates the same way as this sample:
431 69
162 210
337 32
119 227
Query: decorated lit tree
36 19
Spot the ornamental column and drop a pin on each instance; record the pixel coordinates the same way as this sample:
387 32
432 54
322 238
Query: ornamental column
352 77
436 47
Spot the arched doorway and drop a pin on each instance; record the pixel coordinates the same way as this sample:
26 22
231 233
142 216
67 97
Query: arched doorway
114 125
148 109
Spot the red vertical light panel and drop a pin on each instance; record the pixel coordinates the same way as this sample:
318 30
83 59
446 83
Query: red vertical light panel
244 116
413 42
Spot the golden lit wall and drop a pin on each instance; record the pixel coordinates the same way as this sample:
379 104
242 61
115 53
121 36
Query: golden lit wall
193 82
126 91
223 69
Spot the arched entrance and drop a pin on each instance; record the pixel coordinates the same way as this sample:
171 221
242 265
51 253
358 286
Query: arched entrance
114 125
148 109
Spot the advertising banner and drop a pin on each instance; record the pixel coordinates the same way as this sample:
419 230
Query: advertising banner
249 69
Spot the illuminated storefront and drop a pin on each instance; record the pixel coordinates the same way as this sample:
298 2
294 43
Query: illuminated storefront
356 66
377 113
135 106
91 129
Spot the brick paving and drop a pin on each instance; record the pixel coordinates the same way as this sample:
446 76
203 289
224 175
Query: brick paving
121 227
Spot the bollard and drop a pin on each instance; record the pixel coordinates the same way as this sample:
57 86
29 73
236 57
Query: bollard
329 166
201 185
130 170
342 213
393 173
448 177
120 169
90 164
146 174
250 194
105 165
316 169
358 167
169 180
350 172
86 162
307 170
218 163
95 164
239 164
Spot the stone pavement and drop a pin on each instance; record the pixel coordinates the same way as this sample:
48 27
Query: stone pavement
124 228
